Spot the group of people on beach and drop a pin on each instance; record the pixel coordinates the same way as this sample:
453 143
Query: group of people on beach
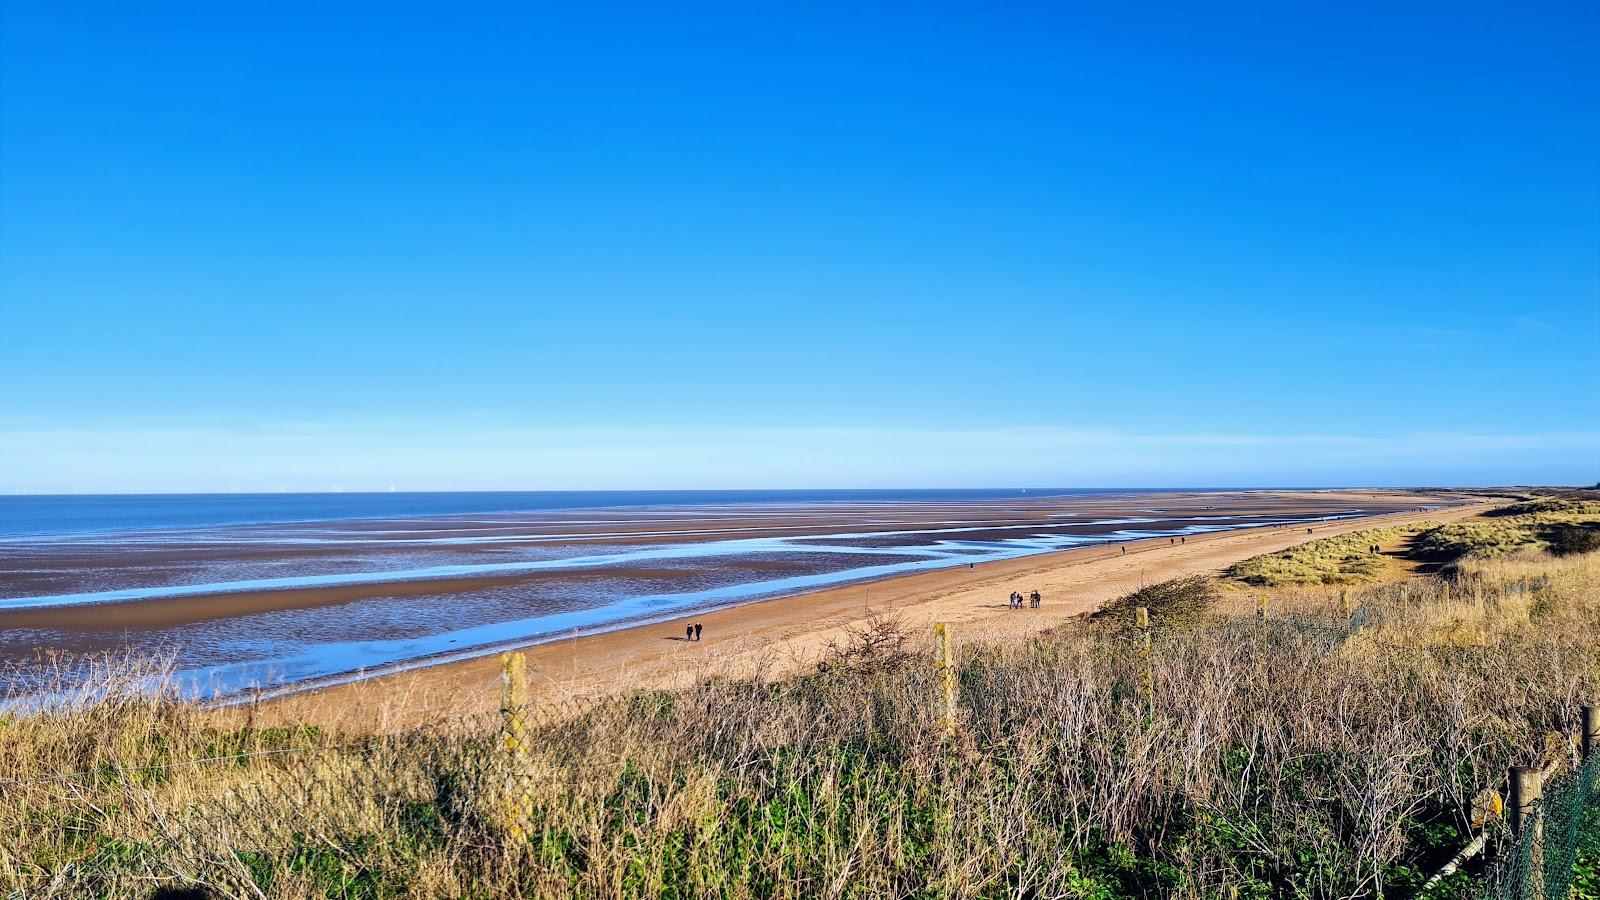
1016 600
691 632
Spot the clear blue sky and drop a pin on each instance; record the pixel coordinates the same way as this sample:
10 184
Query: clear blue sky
586 245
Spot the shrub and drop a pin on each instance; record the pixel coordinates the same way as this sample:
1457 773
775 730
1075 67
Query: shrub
1179 601
1570 539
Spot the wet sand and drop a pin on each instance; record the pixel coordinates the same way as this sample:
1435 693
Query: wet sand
791 633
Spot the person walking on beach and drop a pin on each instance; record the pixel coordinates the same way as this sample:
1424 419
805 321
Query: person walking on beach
1034 599
697 631
688 632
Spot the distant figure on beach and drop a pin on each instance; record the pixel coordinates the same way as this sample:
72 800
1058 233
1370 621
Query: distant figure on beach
1183 540
1308 531
688 632
1124 549
1034 599
697 631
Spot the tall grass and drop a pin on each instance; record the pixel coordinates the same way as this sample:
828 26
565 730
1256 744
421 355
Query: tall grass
1287 759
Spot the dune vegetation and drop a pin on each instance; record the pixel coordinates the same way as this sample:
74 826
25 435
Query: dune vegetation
1343 559
1559 525
1554 524
1299 756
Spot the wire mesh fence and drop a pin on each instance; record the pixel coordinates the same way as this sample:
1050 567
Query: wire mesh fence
1557 854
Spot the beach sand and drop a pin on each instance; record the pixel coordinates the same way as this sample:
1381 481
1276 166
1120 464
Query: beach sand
788 634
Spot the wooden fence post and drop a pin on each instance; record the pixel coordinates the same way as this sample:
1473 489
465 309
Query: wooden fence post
1527 787
945 664
514 740
1261 632
1141 618
1525 791
1591 730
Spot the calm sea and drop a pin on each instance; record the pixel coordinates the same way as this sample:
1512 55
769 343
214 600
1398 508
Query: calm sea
84 513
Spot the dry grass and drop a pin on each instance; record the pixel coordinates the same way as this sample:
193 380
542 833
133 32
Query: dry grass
1294 759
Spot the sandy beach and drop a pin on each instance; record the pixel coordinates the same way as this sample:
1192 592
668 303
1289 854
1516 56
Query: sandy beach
790 633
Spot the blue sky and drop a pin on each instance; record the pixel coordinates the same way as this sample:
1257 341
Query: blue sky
446 246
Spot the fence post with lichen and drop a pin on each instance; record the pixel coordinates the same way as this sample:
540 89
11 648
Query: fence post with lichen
516 802
1141 618
945 668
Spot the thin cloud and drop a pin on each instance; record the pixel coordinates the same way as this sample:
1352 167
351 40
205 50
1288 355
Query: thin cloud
449 456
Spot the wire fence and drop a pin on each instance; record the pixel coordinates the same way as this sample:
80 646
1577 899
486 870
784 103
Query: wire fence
1557 854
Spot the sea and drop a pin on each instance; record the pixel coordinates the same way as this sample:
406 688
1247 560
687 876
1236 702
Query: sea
62 514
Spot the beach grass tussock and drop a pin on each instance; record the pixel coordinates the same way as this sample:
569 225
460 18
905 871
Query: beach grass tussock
1289 757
